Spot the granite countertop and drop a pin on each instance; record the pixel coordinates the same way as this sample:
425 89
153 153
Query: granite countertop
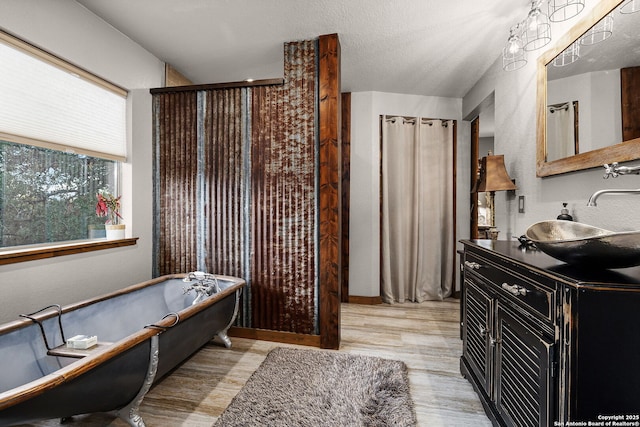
545 264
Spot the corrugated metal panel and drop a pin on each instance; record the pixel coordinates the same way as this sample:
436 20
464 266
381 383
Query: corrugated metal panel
175 182
224 182
236 191
283 188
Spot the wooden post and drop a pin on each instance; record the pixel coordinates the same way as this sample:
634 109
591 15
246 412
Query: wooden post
330 190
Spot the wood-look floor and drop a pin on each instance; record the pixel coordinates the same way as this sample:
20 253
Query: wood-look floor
425 336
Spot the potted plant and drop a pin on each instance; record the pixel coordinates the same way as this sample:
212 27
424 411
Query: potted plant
109 206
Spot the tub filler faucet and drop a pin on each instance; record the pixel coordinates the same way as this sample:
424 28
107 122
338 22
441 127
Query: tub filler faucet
614 171
203 284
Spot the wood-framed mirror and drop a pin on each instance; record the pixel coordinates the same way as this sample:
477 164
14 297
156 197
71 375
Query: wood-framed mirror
608 145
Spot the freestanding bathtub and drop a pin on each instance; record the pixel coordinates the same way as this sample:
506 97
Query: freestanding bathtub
143 332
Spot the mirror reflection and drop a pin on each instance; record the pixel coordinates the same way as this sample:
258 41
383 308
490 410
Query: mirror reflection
562 130
592 91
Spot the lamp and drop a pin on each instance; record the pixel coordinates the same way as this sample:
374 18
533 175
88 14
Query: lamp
561 10
513 54
493 177
537 30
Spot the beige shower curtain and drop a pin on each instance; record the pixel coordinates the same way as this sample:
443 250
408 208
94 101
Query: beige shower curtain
560 131
417 209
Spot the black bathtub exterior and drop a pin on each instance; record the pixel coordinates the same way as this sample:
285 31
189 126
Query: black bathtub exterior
116 377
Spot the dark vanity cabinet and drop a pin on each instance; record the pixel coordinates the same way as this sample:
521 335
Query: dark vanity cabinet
545 343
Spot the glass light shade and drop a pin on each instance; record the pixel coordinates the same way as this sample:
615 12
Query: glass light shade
568 56
537 30
562 10
630 6
599 32
513 54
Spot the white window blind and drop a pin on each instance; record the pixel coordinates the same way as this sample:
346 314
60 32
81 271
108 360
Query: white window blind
47 102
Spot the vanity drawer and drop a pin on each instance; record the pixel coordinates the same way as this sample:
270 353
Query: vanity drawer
526 292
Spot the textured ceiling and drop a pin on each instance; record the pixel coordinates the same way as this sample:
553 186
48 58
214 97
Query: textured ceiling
424 47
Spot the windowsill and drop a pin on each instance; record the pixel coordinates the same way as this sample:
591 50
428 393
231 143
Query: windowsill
11 256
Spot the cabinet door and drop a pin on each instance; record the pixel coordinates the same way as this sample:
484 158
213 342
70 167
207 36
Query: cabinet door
477 332
524 383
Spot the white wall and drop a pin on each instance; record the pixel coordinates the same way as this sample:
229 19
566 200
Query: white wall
515 137
364 226
68 30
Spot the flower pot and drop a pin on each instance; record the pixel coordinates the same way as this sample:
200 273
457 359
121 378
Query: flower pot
96 232
115 231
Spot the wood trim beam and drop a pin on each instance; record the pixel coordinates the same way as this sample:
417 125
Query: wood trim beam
275 336
375 300
473 166
214 86
346 180
330 190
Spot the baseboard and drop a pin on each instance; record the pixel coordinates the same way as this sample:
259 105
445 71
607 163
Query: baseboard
275 336
354 299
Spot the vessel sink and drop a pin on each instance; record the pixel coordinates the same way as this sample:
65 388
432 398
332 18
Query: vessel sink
585 245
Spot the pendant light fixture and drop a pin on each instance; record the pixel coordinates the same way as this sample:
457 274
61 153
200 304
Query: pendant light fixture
630 6
513 54
599 32
562 10
568 56
537 30
534 32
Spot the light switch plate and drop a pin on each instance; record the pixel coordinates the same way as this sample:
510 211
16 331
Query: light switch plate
520 204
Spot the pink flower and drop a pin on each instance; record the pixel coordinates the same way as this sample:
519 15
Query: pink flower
108 206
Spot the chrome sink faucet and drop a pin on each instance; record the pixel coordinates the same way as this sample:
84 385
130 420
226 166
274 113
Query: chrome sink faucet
203 284
614 171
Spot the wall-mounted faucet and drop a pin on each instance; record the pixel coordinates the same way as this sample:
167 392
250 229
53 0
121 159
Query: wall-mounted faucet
613 171
205 285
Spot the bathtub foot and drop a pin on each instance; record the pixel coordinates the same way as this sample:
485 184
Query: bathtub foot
134 419
223 334
224 338
130 413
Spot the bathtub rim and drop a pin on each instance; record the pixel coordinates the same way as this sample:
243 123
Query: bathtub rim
74 370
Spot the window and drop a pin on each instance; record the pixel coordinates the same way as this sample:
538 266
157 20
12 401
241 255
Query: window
50 196
62 138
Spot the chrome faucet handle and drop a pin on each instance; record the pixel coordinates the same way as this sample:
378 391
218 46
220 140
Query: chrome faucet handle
616 170
611 170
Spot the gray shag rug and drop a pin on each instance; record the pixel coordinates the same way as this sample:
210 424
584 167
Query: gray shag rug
294 387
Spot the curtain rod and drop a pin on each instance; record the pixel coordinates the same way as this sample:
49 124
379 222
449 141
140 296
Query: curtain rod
445 122
557 107
214 86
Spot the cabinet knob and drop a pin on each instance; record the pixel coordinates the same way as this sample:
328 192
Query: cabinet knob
483 330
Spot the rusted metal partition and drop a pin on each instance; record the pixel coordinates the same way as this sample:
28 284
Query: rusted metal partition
175 183
283 197
237 190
